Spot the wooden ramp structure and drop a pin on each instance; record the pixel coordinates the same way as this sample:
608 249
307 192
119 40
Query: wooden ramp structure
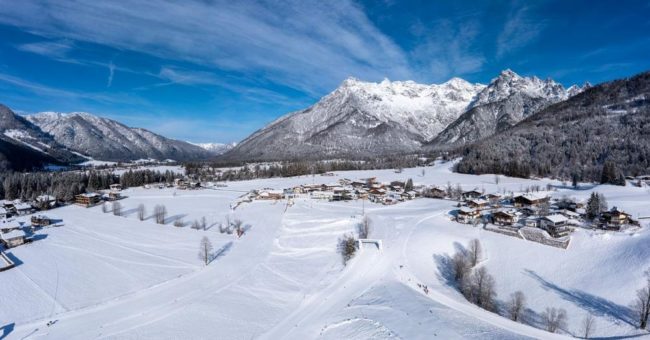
5 262
366 242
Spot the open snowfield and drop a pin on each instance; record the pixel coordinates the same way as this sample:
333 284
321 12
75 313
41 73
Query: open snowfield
108 277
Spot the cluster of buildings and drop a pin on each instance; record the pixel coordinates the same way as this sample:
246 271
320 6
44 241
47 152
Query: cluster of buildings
534 209
346 190
93 198
10 208
13 234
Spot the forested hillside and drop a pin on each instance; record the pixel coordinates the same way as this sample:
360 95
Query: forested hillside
609 123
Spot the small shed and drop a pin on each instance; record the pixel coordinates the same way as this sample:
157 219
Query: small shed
41 221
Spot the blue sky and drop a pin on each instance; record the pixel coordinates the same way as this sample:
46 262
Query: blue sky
215 71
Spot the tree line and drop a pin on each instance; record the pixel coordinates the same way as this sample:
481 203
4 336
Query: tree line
65 185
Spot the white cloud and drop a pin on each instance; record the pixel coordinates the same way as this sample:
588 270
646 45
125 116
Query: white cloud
308 45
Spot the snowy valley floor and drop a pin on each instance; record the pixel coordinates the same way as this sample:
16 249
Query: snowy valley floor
108 277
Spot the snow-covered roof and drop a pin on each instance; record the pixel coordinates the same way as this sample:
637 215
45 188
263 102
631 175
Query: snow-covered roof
45 198
92 194
479 201
556 218
3 211
13 234
23 206
466 210
534 196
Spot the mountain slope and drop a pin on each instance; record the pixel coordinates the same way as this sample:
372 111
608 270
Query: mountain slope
361 119
508 99
608 122
106 139
24 146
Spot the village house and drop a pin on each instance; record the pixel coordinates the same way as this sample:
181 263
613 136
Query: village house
112 196
532 222
470 195
467 215
115 187
614 219
434 192
87 200
478 204
530 200
23 209
556 225
44 202
493 198
13 238
504 218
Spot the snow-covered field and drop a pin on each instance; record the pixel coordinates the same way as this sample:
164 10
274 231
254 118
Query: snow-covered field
102 276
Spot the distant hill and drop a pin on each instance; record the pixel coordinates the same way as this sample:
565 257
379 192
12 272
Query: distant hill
109 140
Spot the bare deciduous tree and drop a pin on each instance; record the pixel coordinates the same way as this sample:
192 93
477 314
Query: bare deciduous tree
160 213
179 223
196 225
205 250
117 209
588 325
204 223
347 247
104 207
482 288
461 267
141 212
554 319
516 305
474 252
497 179
641 305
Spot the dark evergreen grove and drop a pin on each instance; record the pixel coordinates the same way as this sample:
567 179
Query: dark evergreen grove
599 135
65 185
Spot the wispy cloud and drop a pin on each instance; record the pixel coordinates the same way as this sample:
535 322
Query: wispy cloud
188 77
520 29
44 90
447 49
53 49
111 73
321 44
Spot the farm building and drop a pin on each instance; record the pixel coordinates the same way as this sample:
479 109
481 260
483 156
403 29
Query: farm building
13 238
115 187
87 200
434 192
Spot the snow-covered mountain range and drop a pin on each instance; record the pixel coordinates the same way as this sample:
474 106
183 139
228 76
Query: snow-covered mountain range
368 119
215 148
508 99
106 139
